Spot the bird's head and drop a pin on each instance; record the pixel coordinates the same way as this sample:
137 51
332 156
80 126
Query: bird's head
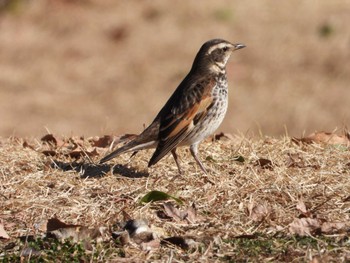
214 54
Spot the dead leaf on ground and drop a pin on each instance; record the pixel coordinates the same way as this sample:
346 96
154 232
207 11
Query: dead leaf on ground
304 226
76 142
3 233
173 212
101 142
27 145
76 233
188 214
60 230
258 212
264 163
52 142
151 245
55 223
49 152
324 137
331 228
155 195
223 136
192 215
108 141
76 154
301 206
50 139
295 160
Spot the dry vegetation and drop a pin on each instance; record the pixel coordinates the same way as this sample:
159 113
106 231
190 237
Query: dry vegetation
84 66
264 200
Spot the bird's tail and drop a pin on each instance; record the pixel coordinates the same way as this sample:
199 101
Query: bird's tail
132 146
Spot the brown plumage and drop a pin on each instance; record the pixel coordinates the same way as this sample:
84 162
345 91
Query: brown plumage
193 112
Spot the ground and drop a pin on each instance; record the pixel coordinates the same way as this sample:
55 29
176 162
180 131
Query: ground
93 67
264 200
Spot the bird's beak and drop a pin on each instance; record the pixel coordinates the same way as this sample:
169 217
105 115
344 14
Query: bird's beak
238 46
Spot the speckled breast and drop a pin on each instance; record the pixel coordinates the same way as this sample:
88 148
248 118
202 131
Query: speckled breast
209 124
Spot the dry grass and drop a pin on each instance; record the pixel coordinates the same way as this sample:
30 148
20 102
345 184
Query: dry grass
244 210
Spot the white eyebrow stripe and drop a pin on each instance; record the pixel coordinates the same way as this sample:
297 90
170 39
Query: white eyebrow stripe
221 45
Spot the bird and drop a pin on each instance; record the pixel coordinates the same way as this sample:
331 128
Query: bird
193 112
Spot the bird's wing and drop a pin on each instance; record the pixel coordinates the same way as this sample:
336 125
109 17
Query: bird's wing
182 112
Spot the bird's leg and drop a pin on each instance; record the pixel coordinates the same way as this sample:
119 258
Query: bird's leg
173 152
194 151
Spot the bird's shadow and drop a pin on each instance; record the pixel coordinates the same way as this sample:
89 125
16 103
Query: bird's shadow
90 170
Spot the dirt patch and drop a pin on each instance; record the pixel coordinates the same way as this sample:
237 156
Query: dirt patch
93 67
294 208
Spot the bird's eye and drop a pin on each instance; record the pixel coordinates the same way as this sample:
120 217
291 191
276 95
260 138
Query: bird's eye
225 49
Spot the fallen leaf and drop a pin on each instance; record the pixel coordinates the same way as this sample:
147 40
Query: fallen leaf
151 245
324 137
101 142
50 139
331 228
60 230
76 154
162 215
174 212
49 152
171 212
301 206
258 212
3 233
75 233
304 226
27 145
192 216
264 163
76 142
294 160
223 136
55 223
154 196
52 142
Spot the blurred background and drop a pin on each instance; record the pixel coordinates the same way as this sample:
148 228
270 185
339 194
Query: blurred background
94 67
